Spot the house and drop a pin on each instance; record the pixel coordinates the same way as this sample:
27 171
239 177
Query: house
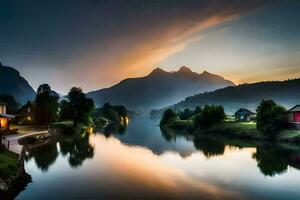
293 117
4 118
25 114
244 115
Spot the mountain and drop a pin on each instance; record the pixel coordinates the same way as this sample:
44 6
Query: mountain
286 93
159 88
15 85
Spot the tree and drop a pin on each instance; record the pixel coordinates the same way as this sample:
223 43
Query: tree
186 114
46 105
270 118
168 116
78 108
121 110
110 113
12 105
209 115
197 110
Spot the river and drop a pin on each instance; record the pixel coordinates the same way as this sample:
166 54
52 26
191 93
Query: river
142 162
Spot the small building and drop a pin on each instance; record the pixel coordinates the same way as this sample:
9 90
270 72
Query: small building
293 117
25 114
4 118
244 115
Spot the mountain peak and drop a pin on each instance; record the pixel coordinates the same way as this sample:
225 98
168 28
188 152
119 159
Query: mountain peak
184 69
205 72
157 71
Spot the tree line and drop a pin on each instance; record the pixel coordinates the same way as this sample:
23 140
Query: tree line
271 117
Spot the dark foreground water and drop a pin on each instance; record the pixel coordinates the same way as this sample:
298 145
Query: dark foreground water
145 163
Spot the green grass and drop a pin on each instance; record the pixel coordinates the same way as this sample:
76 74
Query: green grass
236 129
289 134
8 163
240 129
62 124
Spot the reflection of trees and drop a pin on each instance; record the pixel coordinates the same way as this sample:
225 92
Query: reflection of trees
167 134
115 129
77 148
44 156
171 134
209 147
272 160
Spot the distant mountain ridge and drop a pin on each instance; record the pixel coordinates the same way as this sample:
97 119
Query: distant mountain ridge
12 83
158 89
249 96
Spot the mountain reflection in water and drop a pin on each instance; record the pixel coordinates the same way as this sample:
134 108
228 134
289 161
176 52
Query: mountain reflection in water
144 162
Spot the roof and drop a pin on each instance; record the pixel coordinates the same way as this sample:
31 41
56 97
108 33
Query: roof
7 116
28 104
244 111
2 103
296 108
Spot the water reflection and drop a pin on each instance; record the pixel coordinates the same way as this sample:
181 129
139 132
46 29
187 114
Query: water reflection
38 154
144 162
114 129
76 148
272 159
142 131
209 147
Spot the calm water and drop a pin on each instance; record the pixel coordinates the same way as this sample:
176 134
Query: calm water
144 163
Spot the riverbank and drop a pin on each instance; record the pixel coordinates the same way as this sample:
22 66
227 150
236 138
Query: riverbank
13 177
230 128
8 163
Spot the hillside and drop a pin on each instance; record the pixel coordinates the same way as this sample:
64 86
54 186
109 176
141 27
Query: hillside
247 95
159 88
12 83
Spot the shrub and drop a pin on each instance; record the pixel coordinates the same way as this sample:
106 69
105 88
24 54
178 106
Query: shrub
209 115
186 114
270 118
168 116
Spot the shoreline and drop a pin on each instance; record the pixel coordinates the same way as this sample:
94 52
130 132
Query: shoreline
240 130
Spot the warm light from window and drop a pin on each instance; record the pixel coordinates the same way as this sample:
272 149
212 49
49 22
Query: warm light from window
3 122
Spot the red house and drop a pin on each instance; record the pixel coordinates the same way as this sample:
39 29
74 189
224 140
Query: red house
293 116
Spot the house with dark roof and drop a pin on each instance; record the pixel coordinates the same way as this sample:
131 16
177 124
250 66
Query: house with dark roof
244 115
25 114
293 117
4 118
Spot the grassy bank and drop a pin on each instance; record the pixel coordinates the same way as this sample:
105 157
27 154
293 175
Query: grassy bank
238 129
289 135
234 129
8 163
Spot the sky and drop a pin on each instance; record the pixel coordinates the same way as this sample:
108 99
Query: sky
94 44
